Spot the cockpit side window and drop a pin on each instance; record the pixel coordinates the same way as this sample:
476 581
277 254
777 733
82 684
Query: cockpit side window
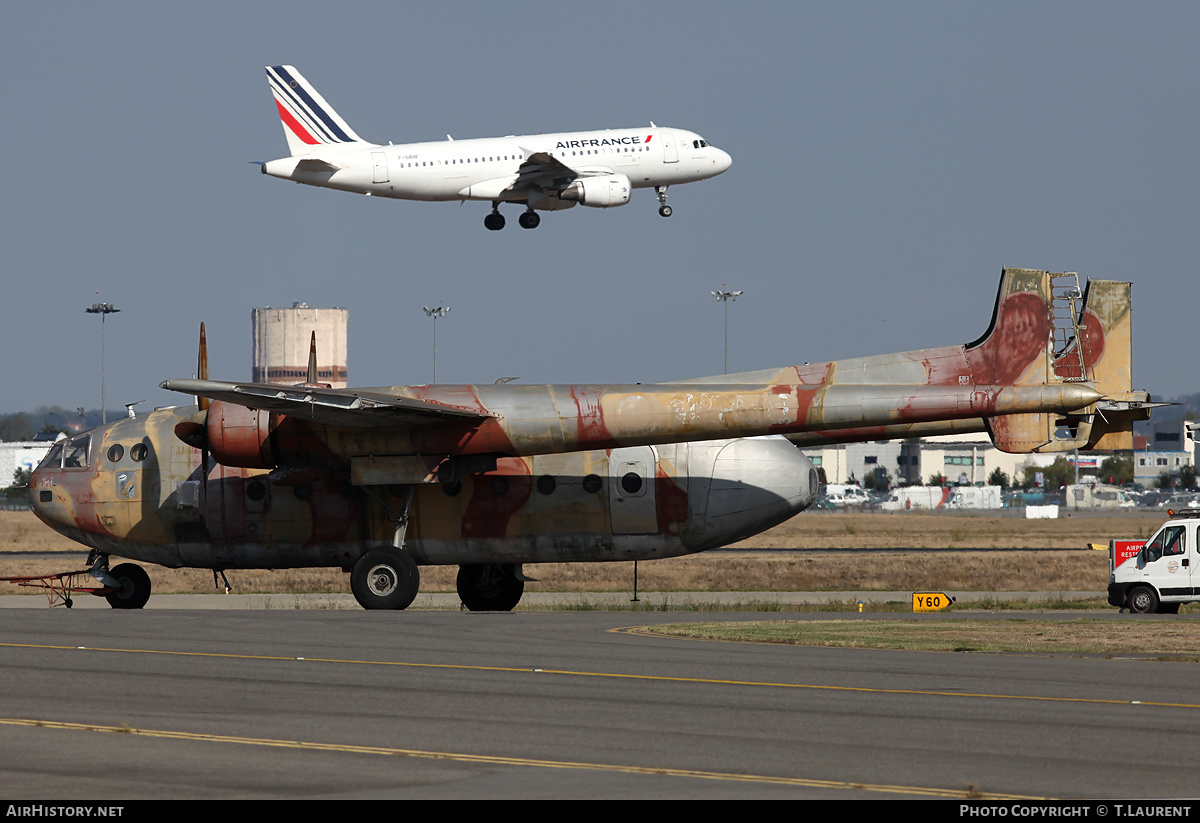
53 459
76 454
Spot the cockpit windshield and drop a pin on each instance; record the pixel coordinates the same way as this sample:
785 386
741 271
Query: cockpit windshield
75 456
53 459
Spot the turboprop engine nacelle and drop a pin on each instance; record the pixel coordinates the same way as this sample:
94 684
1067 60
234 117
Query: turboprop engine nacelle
599 192
234 435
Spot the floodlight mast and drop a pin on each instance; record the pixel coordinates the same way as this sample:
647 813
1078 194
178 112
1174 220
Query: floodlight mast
440 311
725 296
102 309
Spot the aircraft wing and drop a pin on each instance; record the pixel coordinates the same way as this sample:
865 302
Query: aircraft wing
349 408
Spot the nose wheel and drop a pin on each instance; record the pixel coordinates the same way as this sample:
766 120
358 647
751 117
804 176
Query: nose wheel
663 209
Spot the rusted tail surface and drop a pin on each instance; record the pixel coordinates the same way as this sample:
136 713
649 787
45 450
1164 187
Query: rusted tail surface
1046 331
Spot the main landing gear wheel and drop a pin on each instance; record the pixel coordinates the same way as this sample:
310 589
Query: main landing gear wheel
134 590
529 220
385 579
494 587
1143 600
494 221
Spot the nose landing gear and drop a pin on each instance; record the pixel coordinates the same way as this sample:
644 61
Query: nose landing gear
663 209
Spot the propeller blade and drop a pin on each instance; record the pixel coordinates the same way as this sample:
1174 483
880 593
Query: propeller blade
202 367
312 360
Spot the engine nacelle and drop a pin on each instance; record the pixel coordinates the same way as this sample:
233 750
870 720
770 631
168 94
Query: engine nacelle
599 192
237 436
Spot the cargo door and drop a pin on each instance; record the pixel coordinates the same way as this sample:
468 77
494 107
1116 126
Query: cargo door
631 490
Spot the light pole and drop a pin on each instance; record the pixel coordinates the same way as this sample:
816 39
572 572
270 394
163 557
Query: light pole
440 311
102 309
725 296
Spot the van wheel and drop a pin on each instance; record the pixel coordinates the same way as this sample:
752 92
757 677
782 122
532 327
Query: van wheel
1142 600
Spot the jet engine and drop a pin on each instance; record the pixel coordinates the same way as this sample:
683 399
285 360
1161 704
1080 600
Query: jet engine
599 192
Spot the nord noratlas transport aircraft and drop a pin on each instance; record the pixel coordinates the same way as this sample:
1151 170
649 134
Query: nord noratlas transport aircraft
546 172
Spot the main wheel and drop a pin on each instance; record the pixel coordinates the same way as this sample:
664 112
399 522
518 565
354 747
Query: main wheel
494 221
385 579
493 587
1142 600
134 590
529 219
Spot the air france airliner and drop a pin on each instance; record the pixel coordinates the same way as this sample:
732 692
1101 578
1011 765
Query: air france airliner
545 172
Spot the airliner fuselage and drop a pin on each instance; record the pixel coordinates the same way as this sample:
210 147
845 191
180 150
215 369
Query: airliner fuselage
546 172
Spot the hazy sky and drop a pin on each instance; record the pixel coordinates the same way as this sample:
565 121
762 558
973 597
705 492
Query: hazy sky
888 160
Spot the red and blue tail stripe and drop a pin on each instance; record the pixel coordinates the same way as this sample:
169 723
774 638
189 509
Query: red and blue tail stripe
307 119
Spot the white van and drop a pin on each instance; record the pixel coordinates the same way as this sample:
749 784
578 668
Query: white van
916 497
975 497
1158 574
842 495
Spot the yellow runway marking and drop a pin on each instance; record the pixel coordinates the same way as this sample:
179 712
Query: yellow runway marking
619 676
459 757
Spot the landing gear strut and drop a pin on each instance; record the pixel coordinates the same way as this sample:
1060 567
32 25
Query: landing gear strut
663 208
494 587
387 577
529 219
495 220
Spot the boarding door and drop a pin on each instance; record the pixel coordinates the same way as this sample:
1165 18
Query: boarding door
631 490
669 146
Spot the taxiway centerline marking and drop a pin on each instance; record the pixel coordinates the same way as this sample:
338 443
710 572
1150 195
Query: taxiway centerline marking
492 760
618 675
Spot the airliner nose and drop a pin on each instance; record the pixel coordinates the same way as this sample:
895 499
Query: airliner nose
723 161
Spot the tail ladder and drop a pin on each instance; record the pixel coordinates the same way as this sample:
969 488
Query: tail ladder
1066 300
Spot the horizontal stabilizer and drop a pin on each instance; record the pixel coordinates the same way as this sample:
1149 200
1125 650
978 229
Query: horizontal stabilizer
312 164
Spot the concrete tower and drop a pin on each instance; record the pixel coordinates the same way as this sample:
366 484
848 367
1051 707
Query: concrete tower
281 338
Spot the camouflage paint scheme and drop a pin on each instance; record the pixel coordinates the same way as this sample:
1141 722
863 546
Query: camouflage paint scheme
311 476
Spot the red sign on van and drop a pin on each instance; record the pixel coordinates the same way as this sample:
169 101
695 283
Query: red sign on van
1125 549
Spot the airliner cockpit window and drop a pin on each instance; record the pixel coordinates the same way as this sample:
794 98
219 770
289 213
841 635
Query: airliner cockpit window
76 456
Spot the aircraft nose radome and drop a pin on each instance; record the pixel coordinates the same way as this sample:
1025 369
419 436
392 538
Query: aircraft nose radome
724 161
757 483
